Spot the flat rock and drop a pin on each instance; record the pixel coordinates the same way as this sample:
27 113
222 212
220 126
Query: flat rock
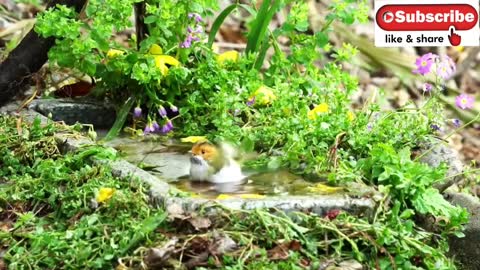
72 111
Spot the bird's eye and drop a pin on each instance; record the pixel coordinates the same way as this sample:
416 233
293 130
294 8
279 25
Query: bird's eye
203 152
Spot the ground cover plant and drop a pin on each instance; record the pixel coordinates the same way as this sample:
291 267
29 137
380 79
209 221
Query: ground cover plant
292 107
63 212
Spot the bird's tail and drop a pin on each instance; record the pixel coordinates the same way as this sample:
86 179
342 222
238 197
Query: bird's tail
231 152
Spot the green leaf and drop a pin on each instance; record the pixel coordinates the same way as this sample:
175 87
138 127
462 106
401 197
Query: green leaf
148 226
218 22
321 39
150 19
274 163
102 43
247 144
407 213
121 117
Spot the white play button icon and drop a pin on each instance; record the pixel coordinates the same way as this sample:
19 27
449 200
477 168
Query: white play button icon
388 17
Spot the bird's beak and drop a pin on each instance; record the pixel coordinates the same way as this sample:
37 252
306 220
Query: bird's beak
196 159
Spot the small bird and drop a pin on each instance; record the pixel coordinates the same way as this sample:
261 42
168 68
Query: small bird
215 164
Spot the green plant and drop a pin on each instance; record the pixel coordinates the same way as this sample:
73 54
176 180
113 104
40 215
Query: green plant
48 203
293 108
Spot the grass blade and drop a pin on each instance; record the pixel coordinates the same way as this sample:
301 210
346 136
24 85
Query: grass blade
121 117
262 53
253 38
218 22
148 226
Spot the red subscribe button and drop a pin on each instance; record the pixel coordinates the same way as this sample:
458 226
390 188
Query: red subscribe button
426 17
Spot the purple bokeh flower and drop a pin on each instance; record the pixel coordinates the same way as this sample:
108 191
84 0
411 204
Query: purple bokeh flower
251 101
137 112
156 126
424 63
161 111
148 129
444 70
187 43
464 101
194 31
196 17
427 87
435 127
456 123
173 108
167 127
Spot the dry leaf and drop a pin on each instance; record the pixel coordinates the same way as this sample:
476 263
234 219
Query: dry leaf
222 243
175 210
159 255
200 223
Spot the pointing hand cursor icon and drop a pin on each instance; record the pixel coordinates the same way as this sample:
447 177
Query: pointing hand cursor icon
454 38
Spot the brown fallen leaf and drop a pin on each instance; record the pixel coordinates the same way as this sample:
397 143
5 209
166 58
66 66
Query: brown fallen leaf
282 251
350 265
222 243
175 211
200 223
157 256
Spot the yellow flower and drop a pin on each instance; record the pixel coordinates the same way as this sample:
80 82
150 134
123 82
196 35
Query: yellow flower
224 197
194 139
251 196
104 194
350 116
313 113
155 50
161 62
263 95
227 56
112 53
324 189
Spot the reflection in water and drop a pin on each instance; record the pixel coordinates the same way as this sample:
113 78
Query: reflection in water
171 163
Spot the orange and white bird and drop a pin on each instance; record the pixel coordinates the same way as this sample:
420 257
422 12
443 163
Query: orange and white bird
215 164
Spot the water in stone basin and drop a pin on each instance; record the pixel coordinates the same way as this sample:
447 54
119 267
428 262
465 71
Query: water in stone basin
170 162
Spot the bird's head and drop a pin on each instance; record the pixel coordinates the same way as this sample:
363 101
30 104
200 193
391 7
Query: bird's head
204 152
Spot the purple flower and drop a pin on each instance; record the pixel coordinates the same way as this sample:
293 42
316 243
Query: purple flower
427 87
148 129
199 29
456 122
435 127
424 63
187 43
137 112
167 127
251 101
464 101
369 126
444 70
156 126
196 17
173 108
161 111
